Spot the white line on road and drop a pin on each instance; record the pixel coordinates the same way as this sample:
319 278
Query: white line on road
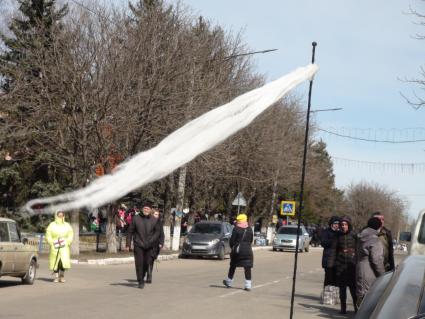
254 287
263 285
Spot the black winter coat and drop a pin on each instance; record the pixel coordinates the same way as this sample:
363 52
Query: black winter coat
327 240
145 230
160 241
344 258
245 257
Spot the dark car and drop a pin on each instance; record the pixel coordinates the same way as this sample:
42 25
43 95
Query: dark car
208 239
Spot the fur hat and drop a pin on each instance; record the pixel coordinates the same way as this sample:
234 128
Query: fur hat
333 219
147 203
374 223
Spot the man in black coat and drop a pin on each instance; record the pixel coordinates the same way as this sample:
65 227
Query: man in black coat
387 241
145 231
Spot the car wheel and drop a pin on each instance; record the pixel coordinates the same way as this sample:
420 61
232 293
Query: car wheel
29 277
221 253
307 248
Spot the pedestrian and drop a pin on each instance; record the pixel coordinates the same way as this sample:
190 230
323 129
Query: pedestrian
328 239
370 258
59 236
144 231
241 254
344 259
387 241
158 245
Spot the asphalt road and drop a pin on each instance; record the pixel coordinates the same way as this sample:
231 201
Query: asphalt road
182 288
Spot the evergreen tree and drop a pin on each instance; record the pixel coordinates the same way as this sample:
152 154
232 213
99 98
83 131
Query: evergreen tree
30 32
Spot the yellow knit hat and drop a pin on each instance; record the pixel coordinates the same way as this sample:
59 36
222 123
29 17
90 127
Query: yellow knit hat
241 218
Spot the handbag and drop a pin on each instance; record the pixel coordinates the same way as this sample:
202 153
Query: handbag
236 247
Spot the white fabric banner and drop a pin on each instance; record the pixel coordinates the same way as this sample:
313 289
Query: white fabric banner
179 148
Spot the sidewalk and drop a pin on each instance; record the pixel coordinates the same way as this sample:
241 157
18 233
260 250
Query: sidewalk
124 257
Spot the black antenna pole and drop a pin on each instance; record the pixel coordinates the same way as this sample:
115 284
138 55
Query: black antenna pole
294 279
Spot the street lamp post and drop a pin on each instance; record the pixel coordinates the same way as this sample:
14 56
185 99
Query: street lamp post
314 44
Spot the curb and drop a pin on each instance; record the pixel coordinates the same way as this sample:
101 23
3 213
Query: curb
118 261
130 260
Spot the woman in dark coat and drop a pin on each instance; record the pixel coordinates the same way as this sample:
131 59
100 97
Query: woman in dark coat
370 257
329 236
344 259
241 255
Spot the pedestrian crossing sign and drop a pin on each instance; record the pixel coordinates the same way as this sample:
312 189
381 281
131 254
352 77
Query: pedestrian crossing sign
287 208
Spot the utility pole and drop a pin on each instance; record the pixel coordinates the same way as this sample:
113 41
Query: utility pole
294 279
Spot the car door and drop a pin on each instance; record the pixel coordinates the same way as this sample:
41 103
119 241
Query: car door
306 237
18 247
7 249
227 235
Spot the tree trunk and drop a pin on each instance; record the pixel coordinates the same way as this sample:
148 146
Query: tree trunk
75 224
181 188
111 238
75 217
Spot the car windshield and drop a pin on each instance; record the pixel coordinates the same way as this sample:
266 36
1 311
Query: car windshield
289 231
206 229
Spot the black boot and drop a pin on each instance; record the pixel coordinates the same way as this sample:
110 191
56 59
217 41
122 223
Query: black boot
343 308
149 275
141 284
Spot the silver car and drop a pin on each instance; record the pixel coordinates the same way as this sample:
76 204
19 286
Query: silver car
286 238
17 258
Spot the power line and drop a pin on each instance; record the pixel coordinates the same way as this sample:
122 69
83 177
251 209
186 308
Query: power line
372 140
411 168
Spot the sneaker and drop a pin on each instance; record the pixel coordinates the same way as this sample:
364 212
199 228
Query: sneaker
248 285
227 283
56 278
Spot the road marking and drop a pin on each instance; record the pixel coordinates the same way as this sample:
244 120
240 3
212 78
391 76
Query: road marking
264 285
254 287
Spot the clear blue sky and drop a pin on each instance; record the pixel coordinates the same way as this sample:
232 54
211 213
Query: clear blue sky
364 48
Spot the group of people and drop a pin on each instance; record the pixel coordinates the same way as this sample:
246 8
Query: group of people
355 260
144 233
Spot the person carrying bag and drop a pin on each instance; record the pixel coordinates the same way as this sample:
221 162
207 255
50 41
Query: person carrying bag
241 255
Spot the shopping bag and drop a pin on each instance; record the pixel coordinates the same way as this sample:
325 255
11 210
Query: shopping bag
329 295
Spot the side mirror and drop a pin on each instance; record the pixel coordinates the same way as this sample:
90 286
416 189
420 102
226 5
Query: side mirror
25 241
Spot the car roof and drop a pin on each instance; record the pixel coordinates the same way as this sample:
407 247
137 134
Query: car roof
4 219
291 226
210 222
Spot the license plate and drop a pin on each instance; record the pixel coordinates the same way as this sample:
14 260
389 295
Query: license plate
198 247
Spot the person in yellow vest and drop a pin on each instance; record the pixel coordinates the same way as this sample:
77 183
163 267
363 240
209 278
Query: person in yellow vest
59 235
